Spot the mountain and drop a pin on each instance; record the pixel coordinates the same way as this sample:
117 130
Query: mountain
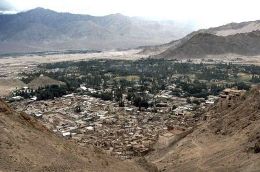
203 44
26 145
209 41
227 140
42 29
234 28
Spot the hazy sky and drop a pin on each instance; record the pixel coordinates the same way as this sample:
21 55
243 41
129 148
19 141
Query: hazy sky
205 13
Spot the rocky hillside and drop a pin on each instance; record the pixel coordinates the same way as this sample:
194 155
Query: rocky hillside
193 40
235 28
203 44
228 139
26 145
41 30
43 81
7 85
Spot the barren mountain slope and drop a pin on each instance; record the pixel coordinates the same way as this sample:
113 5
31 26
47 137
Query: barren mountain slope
203 44
229 139
166 50
43 81
26 145
9 85
43 30
235 28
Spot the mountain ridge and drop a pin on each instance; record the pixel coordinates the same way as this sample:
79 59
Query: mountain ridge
43 30
203 44
169 50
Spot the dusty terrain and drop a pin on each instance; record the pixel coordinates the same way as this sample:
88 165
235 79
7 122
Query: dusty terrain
202 44
43 81
251 26
11 66
229 140
26 145
8 84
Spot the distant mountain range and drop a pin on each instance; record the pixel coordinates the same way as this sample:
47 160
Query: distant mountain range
43 30
236 38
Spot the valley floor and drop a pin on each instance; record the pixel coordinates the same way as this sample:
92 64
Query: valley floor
226 140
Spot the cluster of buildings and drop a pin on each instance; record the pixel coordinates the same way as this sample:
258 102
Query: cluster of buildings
228 93
124 132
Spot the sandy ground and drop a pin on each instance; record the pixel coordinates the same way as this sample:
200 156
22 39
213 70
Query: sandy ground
8 85
248 28
11 66
236 59
122 55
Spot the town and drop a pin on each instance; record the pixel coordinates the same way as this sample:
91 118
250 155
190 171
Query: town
126 107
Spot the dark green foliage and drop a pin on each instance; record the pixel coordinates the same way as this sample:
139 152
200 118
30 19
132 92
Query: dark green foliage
195 89
24 93
50 92
140 102
104 96
242 86
109 78
255 79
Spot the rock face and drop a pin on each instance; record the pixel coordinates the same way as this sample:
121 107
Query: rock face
41 30
26 145
228 140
